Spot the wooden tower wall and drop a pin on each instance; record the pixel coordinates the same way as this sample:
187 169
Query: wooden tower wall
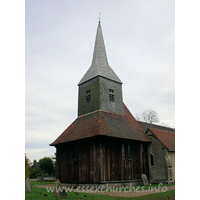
99 159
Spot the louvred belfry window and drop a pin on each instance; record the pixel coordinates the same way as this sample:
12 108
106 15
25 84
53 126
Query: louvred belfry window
111 95
88 96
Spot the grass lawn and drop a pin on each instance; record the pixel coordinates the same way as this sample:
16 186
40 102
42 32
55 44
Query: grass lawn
33 183
169 195
72 195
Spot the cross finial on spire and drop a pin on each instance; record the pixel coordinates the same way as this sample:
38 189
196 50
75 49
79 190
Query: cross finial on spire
99 16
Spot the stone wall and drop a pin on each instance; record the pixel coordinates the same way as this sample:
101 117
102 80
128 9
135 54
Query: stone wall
158 172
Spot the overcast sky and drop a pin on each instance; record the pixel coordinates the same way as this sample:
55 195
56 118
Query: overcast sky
139 38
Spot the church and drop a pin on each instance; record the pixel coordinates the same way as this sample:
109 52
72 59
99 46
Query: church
106 144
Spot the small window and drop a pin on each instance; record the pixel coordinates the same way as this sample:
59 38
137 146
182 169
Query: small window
123 152
111 95
152 160
88 96
129 151
76 152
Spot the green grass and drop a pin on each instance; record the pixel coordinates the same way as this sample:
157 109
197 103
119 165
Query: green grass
169 195
33 183
72 195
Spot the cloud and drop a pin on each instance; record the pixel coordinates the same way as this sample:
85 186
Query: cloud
60 36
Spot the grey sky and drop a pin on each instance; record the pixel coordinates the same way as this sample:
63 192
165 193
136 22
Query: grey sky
60 36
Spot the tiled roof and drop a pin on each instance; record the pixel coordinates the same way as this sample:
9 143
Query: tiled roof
145 126
167 138
103 123
100 66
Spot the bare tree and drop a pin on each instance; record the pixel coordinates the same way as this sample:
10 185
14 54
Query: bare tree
149 116
138 116
164 124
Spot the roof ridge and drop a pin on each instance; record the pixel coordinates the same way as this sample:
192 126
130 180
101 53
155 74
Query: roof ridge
159 137
134 118
99 110
119 126
161 130
155 125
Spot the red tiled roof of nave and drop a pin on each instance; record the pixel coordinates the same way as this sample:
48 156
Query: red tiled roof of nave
103 123
166 137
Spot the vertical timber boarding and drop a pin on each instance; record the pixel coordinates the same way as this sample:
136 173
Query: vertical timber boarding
85 169
114 168
100 160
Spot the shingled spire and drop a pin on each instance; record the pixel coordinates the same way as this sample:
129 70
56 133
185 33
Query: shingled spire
100 88
100 66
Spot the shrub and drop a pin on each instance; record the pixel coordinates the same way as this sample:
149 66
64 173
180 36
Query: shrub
46 164
26 167
35 172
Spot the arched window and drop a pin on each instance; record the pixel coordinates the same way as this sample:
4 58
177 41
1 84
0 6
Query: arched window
152 160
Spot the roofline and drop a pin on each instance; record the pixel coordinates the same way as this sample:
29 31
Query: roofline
99 110
162 130
99 76
130 119
156 125
157 137
97 136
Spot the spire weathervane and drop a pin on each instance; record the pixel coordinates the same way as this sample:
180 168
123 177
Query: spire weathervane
99 16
